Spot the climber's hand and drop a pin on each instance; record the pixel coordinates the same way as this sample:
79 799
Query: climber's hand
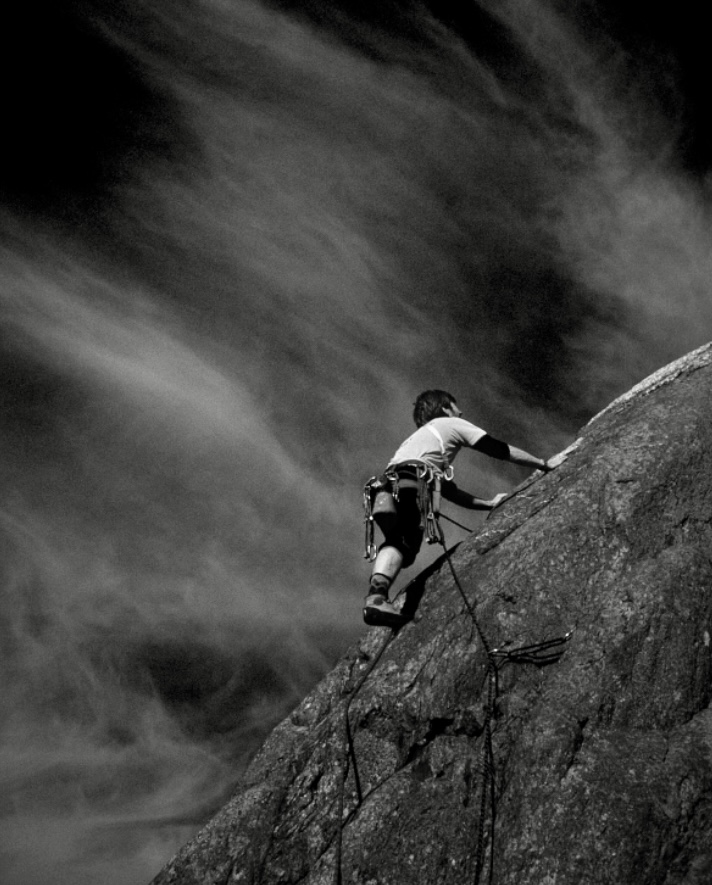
559 459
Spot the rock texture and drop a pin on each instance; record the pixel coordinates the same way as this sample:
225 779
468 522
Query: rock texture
602 760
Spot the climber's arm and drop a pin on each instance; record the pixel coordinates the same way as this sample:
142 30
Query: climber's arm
464 499
488 445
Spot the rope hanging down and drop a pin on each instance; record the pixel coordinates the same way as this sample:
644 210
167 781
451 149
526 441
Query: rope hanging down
487 795
349 752
541 653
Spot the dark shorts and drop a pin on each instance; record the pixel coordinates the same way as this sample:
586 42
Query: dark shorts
401 519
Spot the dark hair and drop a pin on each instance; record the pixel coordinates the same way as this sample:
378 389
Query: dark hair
430 404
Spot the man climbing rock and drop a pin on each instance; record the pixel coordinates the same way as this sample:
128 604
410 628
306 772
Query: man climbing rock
404 501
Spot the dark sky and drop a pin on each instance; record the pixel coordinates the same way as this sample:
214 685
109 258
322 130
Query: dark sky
238 239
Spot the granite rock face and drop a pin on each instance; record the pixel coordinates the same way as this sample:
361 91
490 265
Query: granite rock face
602 760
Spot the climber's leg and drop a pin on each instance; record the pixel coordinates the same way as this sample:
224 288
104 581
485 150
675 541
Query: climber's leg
398 550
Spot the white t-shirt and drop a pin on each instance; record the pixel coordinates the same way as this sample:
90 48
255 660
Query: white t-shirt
438 442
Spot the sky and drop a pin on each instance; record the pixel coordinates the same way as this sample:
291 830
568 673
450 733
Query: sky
237 239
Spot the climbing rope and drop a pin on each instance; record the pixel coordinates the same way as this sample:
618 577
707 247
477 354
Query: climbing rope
487 794
455 522
547 652
541 653
349 753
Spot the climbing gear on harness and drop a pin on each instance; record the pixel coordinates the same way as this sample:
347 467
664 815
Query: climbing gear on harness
381 492
379 612
376 486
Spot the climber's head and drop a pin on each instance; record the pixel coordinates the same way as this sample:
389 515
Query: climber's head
434 404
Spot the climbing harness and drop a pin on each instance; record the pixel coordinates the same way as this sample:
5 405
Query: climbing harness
381 493
540 653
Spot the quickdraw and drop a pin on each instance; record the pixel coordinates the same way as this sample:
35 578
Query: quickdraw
370 490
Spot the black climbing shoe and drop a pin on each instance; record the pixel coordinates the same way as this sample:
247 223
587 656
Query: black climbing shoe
379 612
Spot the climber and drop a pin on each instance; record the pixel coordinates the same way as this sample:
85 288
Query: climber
404 501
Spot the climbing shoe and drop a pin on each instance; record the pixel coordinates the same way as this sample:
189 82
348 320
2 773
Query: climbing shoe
379 612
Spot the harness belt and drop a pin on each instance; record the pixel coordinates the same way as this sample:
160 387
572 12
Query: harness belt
410 474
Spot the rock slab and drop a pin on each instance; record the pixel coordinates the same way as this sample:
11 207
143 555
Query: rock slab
602 760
